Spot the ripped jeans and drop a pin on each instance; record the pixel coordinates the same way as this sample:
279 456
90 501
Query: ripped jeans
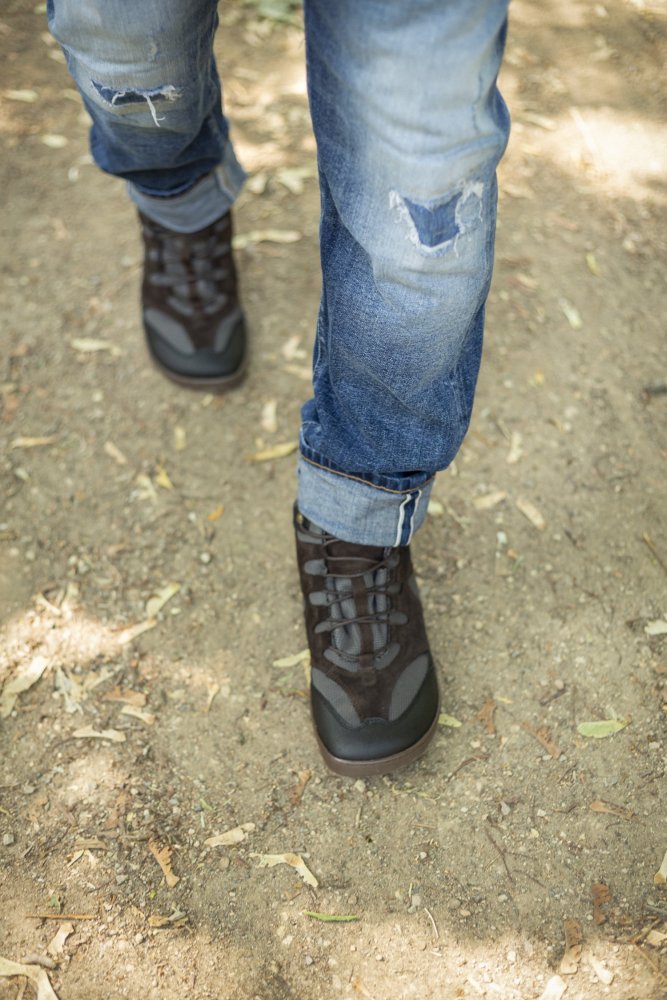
410 127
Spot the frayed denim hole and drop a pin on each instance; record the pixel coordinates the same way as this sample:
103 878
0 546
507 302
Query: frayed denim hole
435 225
117 97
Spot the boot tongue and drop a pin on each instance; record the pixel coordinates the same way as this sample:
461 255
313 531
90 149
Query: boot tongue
351 560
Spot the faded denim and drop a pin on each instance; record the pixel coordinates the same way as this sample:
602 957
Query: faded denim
410 127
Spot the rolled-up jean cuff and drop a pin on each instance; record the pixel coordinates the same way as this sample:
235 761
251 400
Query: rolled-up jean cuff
199 206
357 511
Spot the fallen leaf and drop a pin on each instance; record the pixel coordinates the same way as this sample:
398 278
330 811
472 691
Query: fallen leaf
293 177
20 682
137 698
554 989
291 350
530 511
599 806
516 448
89 345
600 730
489 500
156 603
543 737
592 264
230 837
72 692
56 945
540 120
54 141
33 442
163 857
268 421
331 918
115 453
293 661
571 314
295 860
257 183
216 514
517 191
243 240
658 627
296 792
26 96
88 733
90 844
569 963
146 490
180 438
601 896
660 877
485 716
448 720
137 713
277 451
37 977
132 631
656 939
176 919
604 975
162 479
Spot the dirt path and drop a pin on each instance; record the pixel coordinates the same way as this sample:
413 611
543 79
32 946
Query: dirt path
543 567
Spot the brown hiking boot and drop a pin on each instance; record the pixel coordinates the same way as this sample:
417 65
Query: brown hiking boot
374 692
192 318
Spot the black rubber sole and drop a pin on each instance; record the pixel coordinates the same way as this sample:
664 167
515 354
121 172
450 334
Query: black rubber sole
211 383
381 765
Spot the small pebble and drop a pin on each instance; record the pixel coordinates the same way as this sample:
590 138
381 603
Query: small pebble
309 959
139 938
8 839
359 785
502 898
205 558
511 957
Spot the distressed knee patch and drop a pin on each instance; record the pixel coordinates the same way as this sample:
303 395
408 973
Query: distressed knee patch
435 226
117 97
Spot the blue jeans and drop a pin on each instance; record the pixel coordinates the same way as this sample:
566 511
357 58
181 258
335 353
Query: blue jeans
410 127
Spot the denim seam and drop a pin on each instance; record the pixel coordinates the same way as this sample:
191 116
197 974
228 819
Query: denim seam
358 479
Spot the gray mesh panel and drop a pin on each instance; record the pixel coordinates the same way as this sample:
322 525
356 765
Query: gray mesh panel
336 697
407 686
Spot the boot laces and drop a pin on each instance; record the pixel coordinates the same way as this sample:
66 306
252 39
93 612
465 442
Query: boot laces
192 269
346 620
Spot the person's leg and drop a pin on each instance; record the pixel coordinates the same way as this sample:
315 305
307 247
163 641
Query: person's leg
147 76
410 128
148 79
